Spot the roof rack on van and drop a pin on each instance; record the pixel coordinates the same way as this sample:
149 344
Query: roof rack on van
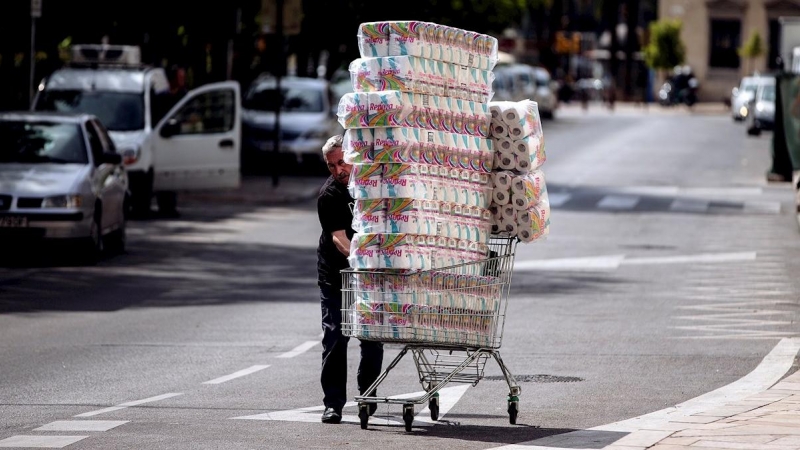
106 56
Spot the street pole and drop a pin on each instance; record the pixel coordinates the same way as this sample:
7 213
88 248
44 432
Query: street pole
33 60
279 94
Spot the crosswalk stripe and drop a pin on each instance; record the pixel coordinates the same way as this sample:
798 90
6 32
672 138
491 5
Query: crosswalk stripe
81 425
558 198
26 441
688 205
618 202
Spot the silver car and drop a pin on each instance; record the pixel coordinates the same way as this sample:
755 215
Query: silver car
741 95
761 108
61 179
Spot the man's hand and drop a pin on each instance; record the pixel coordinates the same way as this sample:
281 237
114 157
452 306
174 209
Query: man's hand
341 242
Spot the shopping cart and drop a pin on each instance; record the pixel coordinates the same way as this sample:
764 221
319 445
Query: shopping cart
451 319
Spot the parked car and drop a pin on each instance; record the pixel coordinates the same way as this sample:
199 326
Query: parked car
761 108
166 146
61 178
307 119
522 81
741 95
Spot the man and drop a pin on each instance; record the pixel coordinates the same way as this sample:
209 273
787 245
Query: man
335 216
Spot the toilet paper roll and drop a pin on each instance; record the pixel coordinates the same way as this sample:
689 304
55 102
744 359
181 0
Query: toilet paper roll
508 213
508 227
373 39
405 215
532 149
522 165
365 74
539 226
499 129
398 73
353 110
504 145
505 161
496 111
400 251
404 38
388 109
502 180
501 197
402 181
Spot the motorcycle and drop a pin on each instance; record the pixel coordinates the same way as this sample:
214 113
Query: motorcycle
681 88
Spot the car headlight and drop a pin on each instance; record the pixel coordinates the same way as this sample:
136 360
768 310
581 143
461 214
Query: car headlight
743 111
129 155
759 107
62 201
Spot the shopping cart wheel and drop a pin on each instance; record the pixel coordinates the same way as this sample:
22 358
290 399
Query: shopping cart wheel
433 405
363 414
408 415
513 409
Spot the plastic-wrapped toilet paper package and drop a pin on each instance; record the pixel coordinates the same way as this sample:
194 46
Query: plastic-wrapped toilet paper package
407 215
530 149
396 145
357 146
401 251
527 189
373 39
366 181
353 110
404 38
365 251
388 109
538 225
402 181
369 215
522 119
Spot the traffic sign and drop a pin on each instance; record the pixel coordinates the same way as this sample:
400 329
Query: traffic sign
36 8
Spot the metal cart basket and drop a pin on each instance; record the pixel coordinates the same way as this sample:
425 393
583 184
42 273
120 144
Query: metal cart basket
451 320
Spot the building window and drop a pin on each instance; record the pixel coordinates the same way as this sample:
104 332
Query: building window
725 40
774 43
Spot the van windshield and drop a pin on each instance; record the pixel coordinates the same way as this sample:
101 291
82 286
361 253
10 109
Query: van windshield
118 111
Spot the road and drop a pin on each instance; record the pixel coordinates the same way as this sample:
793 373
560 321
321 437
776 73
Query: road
668 274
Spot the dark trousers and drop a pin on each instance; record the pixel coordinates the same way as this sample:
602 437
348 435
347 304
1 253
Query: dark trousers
334 353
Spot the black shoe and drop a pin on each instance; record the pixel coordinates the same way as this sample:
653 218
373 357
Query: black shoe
371 408
331 416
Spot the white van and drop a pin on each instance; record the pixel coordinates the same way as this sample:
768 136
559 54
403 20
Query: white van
193 145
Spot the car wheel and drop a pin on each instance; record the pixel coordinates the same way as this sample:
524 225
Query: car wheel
94 245
117 239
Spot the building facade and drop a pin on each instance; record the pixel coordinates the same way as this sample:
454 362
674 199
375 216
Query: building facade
714 30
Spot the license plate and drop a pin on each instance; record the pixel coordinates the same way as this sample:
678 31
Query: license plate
13 222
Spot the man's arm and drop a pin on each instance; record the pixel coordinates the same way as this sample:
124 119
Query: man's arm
341 242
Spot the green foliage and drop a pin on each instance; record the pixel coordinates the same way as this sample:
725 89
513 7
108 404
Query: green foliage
665 49
753 48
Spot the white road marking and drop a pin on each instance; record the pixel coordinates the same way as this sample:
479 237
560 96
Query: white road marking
239 374
299 350
618 202
688 205
129 404
771 369
23 441
81 425
613 262
591 263
690 259
558 198
448 397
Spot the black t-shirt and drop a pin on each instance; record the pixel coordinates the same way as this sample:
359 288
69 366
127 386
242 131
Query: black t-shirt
333 207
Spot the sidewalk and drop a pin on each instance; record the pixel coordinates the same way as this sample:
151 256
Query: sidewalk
766 421
258 191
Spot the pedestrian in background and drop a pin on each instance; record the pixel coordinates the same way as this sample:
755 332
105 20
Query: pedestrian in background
336 218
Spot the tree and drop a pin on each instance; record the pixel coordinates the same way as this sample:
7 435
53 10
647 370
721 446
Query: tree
752 49
665 49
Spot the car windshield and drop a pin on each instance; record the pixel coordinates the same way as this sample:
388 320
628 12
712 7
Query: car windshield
118 111
768 93
295 99
41 142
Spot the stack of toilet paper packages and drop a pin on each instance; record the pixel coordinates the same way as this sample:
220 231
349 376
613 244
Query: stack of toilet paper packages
366 110
431 306
519 204
427 40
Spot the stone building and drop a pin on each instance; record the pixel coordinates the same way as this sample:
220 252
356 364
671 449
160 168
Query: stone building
713 30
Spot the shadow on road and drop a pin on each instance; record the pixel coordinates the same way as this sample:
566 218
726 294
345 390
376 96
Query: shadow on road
522 434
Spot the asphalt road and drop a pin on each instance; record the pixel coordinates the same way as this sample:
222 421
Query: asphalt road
668 273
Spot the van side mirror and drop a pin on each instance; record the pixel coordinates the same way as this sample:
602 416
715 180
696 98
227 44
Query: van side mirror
735 91
171 128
